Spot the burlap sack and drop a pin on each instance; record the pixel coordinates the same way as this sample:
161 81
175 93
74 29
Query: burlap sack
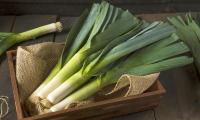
136 84
33 63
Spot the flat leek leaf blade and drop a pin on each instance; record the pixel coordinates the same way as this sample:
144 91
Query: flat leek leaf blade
161 66
139 42
71 36
112 44
102 39
85 30
153 56
98 23
108 18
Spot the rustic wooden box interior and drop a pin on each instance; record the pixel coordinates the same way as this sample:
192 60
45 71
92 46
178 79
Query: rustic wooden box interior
99 110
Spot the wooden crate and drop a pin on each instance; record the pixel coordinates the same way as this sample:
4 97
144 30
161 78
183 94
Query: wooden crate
98 110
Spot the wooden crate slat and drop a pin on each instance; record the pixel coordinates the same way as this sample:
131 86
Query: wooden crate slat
5 83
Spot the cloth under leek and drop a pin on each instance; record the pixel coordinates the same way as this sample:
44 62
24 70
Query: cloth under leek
35 61
33 64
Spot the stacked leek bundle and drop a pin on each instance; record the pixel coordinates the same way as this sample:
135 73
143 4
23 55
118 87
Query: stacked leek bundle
189 31
103 44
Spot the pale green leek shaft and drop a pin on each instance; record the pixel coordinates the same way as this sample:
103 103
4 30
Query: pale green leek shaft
14 38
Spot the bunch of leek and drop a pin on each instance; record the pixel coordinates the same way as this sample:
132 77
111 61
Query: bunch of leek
111 53
9 39
159 56
98 40
99 27
189 32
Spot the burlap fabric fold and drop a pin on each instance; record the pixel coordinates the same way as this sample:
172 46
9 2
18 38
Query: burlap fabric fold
33 63
127 85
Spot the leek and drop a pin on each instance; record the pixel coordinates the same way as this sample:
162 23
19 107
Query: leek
157 57
189 31
152 33
99 36
9 39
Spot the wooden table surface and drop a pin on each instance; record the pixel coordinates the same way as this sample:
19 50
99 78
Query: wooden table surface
181 101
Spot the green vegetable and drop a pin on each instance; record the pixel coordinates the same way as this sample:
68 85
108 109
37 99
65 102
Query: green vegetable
9 39
157 57
189 32
111 53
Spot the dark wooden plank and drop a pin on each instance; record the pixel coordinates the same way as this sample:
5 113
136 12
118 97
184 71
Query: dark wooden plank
185 1
146 115
168 107
181 101
156 16
6 23
67 24
76 9
84 1
187 7
27 22
187 85
58 9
